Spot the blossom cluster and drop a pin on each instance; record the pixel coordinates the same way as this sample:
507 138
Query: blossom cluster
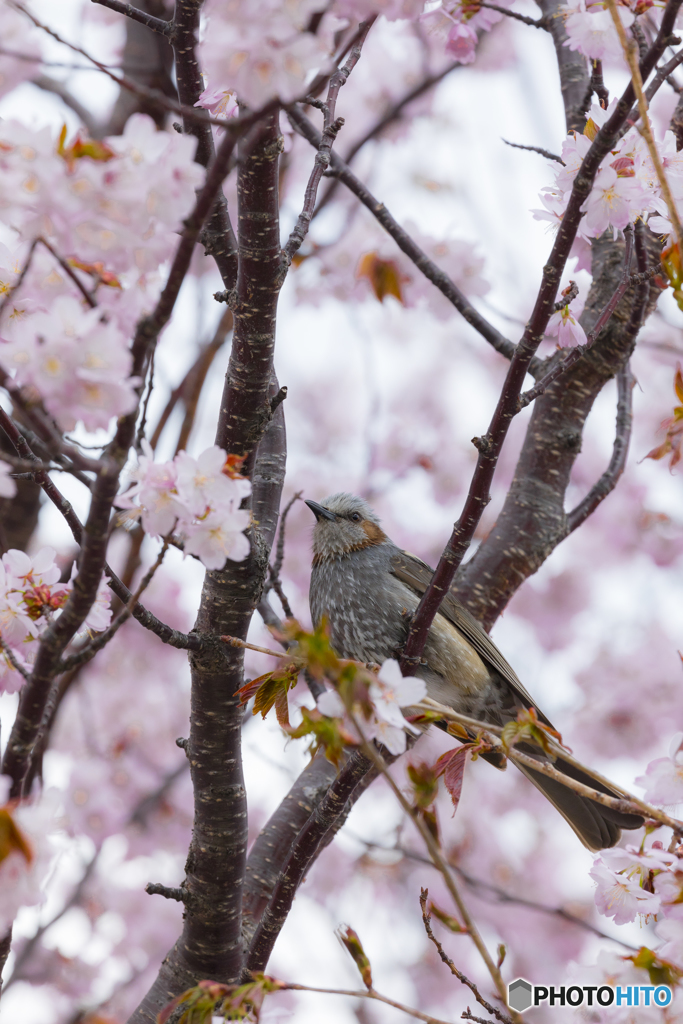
198 499
255 51
31 595
591 30
389 693
110 210
625 188
648 881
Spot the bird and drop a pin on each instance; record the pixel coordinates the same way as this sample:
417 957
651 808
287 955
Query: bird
365 588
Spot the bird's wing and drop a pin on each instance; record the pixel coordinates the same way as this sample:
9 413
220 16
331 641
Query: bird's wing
417 575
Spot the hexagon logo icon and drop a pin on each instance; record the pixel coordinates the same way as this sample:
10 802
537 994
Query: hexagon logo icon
519 995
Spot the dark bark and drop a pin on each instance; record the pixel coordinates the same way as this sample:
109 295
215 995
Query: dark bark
217 237
210 945
533 520
325 820
18 515
148 60
275 840
572 66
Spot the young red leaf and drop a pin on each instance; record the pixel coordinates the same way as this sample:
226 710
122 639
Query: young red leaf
454 774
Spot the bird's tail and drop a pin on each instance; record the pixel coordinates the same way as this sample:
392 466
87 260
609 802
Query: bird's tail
597 826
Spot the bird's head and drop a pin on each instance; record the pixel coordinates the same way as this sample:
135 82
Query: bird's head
344 523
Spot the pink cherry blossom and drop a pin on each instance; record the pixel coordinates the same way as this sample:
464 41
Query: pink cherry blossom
462 42
663 779
219 537
614 202
564 325
592 32
619 896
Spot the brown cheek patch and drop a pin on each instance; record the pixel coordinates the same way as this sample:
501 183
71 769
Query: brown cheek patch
374 533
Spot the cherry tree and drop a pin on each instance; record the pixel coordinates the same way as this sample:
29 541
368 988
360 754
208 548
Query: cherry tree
199 798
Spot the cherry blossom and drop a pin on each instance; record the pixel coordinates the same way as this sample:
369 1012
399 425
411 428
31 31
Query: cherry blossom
389 693
592 32
614 201
564 325
461 42
619 896
663 779
198 498
621 874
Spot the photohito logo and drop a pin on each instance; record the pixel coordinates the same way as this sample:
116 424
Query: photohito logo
522 995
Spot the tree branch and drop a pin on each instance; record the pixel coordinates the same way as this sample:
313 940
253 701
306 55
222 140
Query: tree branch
218 236
426 920
164 28
210 945
392 114
490 445
430 270
327 815
331 127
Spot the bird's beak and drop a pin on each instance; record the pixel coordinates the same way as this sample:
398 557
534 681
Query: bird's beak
319 512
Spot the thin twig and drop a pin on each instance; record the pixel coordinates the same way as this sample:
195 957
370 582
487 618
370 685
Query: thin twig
276 568
164 28
663 75
392 114
609 478
365 994
426 919
331 128
440 863
628 803
536 149
598 84
17 666
88 296
493 894
234 641
534 22
88 652
430 269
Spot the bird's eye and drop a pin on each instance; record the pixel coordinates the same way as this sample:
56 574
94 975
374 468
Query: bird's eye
355 517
